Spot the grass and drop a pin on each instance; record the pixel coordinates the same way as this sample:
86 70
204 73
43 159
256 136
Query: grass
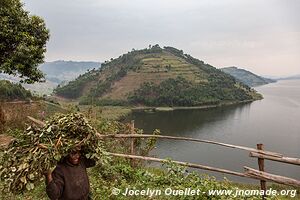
105 112
16 113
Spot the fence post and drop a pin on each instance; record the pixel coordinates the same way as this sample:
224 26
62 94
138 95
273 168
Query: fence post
2 119
261 166
132 152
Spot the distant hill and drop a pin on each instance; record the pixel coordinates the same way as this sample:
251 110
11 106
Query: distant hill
289 77
57 72
247 77
156 77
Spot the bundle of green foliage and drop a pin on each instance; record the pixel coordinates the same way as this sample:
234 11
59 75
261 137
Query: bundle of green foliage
13 91
39 149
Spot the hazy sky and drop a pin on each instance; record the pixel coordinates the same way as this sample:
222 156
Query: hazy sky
261 36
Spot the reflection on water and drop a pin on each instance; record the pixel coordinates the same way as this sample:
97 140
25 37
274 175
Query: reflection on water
187 122
273 121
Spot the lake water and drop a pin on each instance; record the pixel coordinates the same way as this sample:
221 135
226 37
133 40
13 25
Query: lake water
273 121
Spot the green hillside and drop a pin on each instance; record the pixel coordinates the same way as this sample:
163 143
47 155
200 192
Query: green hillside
156 77
13 91
247 77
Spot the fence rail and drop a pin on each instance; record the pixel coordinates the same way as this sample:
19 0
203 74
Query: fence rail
293 161
274 154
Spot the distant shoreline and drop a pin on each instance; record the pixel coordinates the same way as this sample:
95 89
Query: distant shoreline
166 109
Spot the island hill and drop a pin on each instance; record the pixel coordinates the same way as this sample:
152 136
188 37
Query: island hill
156 77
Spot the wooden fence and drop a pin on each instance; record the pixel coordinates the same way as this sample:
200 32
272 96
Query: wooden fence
258 153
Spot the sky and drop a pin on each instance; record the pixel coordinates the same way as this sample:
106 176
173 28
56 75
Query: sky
260 36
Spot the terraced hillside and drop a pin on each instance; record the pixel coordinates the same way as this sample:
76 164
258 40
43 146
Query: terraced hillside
156 76
155 68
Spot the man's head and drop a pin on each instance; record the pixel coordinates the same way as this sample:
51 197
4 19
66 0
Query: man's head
74 156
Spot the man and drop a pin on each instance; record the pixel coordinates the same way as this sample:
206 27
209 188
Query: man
69 180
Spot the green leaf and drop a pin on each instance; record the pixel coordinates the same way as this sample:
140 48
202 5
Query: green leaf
23 179
31 177
29 186
49 129
57 157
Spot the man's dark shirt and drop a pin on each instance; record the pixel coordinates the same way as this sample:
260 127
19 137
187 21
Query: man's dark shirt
70 182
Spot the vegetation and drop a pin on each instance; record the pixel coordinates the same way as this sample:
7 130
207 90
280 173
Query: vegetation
117 113
219 86
121 175
180 92
13 91
23 40
87 100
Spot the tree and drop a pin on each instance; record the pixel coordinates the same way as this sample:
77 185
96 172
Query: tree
23 40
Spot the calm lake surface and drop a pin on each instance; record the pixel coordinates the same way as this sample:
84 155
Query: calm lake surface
273 121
